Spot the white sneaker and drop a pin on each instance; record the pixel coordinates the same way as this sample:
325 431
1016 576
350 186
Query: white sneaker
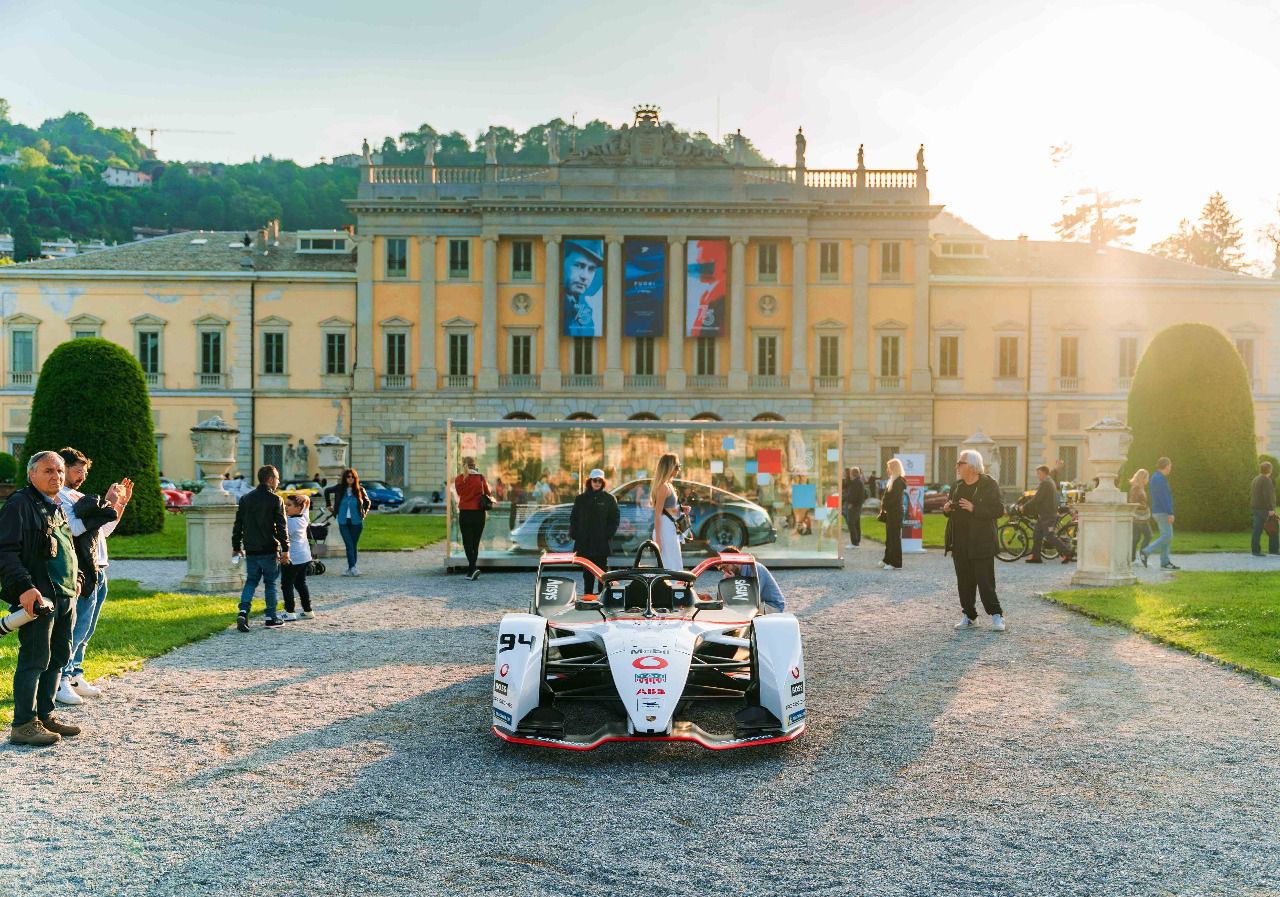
355 571
84 689
288 616
350 571
305 615
997 622
66 694
966 623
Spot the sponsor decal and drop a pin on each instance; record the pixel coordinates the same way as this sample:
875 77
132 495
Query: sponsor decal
741 590
797 688
502 702
799 703
551 590
649 662
795 672
502 716
650 650
651 678
650 691
652 705
795 717
499 687
508 640
504 669
650 719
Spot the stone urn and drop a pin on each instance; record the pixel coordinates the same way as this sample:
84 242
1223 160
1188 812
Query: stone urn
212 514
1104 536
331 460
214 441
1108 447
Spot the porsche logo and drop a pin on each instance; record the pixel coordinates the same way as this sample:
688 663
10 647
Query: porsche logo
649 662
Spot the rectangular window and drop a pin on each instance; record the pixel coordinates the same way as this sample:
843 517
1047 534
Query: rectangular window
273 353
948 356
583 356
459 355
828 356
522 354
149 351
704 357
522 260
460 259
335 353
1070 455
828 261
890 261
1245 348
645 353
767 356
886 455
397 257
84 334
273 454
1008 356
1069 357
890 356
767 262
946 470
24 355
1008 456
397 354
16 448
211 352
1128 357
395 465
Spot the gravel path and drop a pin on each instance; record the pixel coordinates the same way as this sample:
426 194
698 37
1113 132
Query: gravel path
351 755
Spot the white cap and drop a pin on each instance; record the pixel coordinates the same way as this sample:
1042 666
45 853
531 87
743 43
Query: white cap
596 474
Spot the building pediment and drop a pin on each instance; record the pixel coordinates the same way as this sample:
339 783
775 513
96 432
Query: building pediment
890 324
395 321
336 321
647 141
830 324
950 324
458 321
22 318
86 319
147 321
274 321
1009 325
1070 324
210 320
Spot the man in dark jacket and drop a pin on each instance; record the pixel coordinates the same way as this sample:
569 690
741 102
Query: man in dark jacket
1044 505
592 524
1262 501
853 493
38 564
261 535
972 509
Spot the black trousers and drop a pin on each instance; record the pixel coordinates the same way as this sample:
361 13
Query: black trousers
976 575
44 646
590 583
853 520
893 544
471 523
294 576
1046 531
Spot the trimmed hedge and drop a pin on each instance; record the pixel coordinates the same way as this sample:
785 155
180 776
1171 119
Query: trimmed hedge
1191 401
92 396
8 468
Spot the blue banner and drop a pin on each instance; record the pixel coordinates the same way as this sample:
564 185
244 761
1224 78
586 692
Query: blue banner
644 287
583 280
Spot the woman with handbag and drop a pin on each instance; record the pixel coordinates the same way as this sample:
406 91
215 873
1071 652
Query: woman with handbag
892 510
1141 514
668 513
474 501
349 504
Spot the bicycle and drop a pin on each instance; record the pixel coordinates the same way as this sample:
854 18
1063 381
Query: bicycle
1016 538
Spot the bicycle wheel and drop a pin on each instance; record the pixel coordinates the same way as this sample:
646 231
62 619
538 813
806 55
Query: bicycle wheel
1067 533
1013 542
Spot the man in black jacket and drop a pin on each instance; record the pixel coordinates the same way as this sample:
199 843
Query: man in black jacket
261 535
38 562
592 524
973 507
1044 505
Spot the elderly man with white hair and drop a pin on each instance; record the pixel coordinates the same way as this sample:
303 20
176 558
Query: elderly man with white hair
972 510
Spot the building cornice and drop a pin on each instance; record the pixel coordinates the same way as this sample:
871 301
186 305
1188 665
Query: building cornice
975 281
91 274
558 207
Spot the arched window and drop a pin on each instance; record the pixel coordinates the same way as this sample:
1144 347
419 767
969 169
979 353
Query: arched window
768 415
582 415
644 415
707 415
519 415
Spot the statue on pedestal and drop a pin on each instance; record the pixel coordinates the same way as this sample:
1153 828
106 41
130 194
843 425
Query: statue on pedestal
861 156
302 458
366 153
491 147
553 145
801 144
920 157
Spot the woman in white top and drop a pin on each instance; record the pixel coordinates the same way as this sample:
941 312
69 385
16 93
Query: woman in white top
294 572
666 507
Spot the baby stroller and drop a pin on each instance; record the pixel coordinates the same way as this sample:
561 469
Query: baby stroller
317 532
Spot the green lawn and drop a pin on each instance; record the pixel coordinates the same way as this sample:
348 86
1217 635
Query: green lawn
1233 616
135 625
382 532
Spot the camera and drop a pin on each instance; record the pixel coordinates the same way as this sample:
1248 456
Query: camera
20 617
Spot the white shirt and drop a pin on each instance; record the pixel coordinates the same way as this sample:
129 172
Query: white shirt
68 498
299 549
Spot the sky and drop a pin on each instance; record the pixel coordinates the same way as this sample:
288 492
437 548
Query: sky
1167 102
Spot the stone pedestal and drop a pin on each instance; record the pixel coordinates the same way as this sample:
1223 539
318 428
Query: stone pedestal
212 514
1104 537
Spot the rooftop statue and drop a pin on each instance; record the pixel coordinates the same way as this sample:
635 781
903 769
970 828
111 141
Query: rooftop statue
801 145
647 142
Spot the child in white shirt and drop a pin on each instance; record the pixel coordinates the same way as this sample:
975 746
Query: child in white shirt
294 571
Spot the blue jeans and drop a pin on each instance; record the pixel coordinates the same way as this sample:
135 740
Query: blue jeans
1255 544
88 607
1165 540
350 537
260 568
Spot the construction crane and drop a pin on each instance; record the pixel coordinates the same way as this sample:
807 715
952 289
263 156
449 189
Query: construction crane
152 132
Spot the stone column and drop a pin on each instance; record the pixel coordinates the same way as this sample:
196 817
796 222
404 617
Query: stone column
860 333
921 379
799 315
427 379
363 373
551 315
488 378
676 379
613 314
1104 534
212 514
738 314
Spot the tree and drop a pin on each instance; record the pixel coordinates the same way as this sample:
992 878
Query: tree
8 467
26 245
1215 242
4 110
92 396
1096 216
1191 402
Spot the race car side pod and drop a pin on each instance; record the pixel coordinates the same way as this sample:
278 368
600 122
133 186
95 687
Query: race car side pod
20 617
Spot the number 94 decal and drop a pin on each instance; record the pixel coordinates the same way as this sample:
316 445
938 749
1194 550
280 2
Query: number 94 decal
508 640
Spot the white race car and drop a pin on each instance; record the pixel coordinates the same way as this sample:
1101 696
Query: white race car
634 662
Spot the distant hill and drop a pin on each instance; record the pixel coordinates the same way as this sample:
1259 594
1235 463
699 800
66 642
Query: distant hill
51 180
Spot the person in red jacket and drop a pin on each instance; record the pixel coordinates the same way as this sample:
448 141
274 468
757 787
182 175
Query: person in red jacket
472 490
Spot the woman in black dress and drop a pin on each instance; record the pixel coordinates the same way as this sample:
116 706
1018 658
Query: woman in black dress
891 505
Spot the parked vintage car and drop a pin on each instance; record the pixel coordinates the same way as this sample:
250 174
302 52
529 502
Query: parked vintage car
718 519
381 494
935 498
175 499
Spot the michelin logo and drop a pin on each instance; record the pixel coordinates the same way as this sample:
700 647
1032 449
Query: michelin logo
503 717
793 718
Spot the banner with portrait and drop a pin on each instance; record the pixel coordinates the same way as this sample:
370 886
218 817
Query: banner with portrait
582 283
706 287
644 287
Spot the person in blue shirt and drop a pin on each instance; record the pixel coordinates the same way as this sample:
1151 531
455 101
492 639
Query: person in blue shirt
770 594
1162 514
